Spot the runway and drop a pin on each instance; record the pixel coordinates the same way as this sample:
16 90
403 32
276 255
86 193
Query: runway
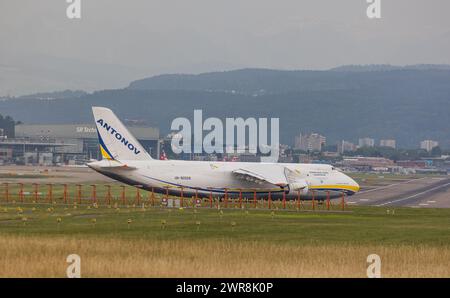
423 192
432 192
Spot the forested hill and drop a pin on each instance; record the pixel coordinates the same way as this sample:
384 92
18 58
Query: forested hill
408 104
266 81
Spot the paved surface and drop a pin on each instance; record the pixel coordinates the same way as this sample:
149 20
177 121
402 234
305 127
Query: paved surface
51 174
431 192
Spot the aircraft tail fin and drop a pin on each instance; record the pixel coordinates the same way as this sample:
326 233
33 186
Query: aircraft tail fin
116 142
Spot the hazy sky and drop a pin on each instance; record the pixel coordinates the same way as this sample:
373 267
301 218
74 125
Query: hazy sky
117 41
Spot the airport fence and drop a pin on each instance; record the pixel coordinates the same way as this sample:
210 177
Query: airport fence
120 195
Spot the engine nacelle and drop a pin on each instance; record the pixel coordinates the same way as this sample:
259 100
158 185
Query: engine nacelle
301 185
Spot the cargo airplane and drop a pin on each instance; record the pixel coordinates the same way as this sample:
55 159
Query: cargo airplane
125 160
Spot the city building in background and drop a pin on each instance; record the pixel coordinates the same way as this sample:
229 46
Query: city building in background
368 163
6 127
64 143
310 142
75 144
345 146
388 143
428 145
366 142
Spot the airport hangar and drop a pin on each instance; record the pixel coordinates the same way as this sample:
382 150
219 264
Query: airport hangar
67 143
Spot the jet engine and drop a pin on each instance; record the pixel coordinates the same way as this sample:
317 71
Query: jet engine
301 185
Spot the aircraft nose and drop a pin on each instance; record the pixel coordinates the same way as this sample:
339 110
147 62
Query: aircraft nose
354 185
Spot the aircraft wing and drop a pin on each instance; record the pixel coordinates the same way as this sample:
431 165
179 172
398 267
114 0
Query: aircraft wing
274 174
271 173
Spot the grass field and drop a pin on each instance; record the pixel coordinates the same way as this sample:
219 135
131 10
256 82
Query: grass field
35 240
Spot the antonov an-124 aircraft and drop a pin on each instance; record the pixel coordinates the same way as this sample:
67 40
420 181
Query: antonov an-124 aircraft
125 160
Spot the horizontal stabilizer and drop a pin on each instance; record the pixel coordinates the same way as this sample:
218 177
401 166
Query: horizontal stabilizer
105 164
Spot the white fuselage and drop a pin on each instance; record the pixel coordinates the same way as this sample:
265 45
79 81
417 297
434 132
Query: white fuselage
211 178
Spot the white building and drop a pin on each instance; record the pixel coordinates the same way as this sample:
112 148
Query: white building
310 142
388 143
366 142
428 145
345 146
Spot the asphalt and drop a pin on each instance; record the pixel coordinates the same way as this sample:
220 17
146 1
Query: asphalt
432 192
422 192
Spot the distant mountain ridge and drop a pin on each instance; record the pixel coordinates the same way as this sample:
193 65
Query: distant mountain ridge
266 81
55 95
388 67
408 104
